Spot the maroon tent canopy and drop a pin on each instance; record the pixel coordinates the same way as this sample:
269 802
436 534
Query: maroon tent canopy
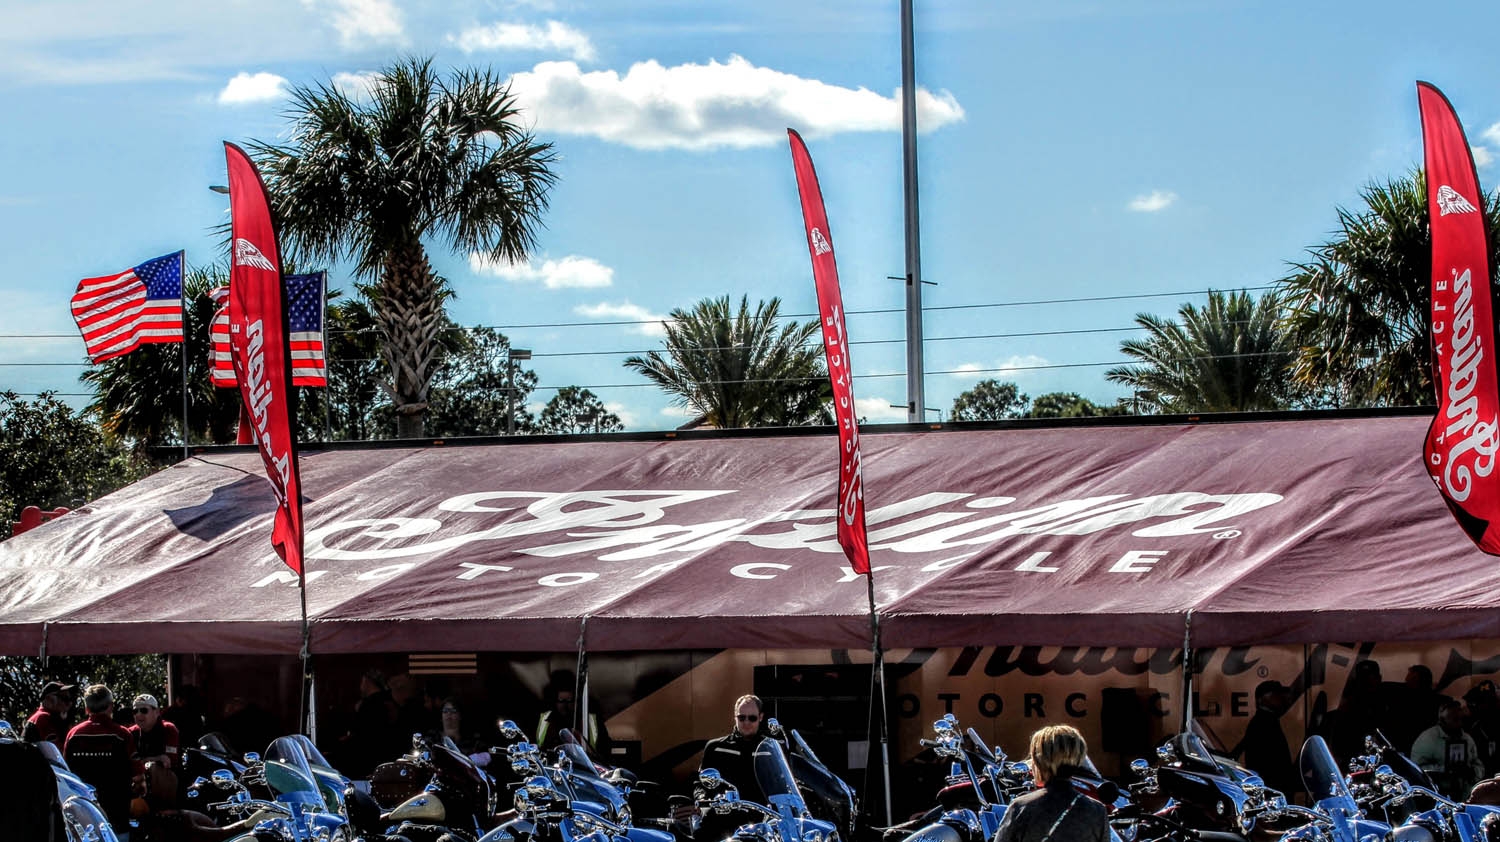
1267 531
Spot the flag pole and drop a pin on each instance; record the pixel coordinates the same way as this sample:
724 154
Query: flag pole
327 346
878 682
182 303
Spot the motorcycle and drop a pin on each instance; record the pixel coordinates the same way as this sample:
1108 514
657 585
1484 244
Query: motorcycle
827 795
571 798
458 801
784 818
1335 816
296 809
1205 792
977 789
82 818
1386 783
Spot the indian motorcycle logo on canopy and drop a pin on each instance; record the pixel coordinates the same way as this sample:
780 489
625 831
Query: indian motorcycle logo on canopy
934 531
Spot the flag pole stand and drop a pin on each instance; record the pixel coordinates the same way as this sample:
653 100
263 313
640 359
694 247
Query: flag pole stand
877 680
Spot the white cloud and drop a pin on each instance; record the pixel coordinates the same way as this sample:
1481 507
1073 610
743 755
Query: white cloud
246 88
878 410
674 411
355 85
1154 201
554 36
1482 156
707 106
625 311
571 272
627 418
364 21
1010 368
1492 134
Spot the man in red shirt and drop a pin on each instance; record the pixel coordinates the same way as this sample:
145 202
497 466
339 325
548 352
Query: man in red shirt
156 742
49 723
102 754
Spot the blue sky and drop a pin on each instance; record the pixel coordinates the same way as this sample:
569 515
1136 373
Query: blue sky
1069 150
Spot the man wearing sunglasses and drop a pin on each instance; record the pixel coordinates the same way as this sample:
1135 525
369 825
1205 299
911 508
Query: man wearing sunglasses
734 757
155 738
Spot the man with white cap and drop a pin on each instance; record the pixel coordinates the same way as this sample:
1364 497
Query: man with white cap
155 738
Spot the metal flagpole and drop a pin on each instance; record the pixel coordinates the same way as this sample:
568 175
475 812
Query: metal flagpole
916 399
305 713
182 303
879 683
1187 673
327 393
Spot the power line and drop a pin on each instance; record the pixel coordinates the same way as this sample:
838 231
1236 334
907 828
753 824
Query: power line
882 311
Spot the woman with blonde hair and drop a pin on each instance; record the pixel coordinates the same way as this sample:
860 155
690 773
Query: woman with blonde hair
1055 812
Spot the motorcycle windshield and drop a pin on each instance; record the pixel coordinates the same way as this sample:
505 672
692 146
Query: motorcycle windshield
816 778
1401 764
977 746
216 743
774 775
288 774
1193 751
1321 777
315 758
579 760
50 752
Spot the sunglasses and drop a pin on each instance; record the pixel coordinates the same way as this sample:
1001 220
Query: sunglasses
747 717
450 710
144 710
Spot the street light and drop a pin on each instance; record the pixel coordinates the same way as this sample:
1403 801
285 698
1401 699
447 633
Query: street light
512 356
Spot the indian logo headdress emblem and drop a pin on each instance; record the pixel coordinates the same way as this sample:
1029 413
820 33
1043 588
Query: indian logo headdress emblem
246 254
820 243
1451 201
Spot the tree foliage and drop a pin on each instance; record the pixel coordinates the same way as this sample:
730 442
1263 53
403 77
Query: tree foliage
51 456
1358 307
1068 405
577 410
424 158
736 368
1230 355
22 678
990 400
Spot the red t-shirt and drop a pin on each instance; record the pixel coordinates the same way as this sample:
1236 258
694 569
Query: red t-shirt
161 740
46 725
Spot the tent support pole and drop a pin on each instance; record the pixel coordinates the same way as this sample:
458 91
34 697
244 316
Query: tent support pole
581 685
878 679
1187 672
45 628
304 700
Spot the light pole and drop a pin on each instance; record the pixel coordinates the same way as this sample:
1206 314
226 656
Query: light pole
512 356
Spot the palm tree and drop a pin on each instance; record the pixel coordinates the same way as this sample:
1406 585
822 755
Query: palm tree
738 369
423 158
1358 309
1226 357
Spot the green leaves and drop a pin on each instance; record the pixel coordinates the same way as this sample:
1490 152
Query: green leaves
736 368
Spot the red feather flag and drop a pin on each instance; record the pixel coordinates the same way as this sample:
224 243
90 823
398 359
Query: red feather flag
1461 443
258 345
851 489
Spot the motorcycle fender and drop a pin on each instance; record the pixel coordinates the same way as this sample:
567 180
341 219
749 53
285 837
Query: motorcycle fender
646 834
424 807
510 831
936 832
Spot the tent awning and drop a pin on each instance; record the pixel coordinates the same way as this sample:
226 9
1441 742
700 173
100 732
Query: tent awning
1268 531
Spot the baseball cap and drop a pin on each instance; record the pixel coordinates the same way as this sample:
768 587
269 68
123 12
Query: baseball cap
145 700
57 687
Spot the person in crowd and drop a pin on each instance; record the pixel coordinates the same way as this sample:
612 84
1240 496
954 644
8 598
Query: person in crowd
1412 709
1361 712
49 722
453 727
562 705
101 753
373 739
156 746
1264 745
247 725
733 757
1483 723
1055 812
412 714
1447 753
185 712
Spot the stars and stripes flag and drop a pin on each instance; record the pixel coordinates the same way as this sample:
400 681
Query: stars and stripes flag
304 301
141 306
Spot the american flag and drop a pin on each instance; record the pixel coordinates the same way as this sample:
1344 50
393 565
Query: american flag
119 313
304 301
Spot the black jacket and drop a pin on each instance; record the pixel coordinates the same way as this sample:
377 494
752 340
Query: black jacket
734 757
1055 813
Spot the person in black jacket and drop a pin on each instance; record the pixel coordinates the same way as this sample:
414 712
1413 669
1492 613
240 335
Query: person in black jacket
1264 746
733 756
1056 812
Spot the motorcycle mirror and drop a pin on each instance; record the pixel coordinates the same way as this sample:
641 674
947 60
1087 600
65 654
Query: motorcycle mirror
951 720
1383 770
773 726
240 797
252 757
220 775
1021 767
710 777
1140 767
509 729
1166 754
5 727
